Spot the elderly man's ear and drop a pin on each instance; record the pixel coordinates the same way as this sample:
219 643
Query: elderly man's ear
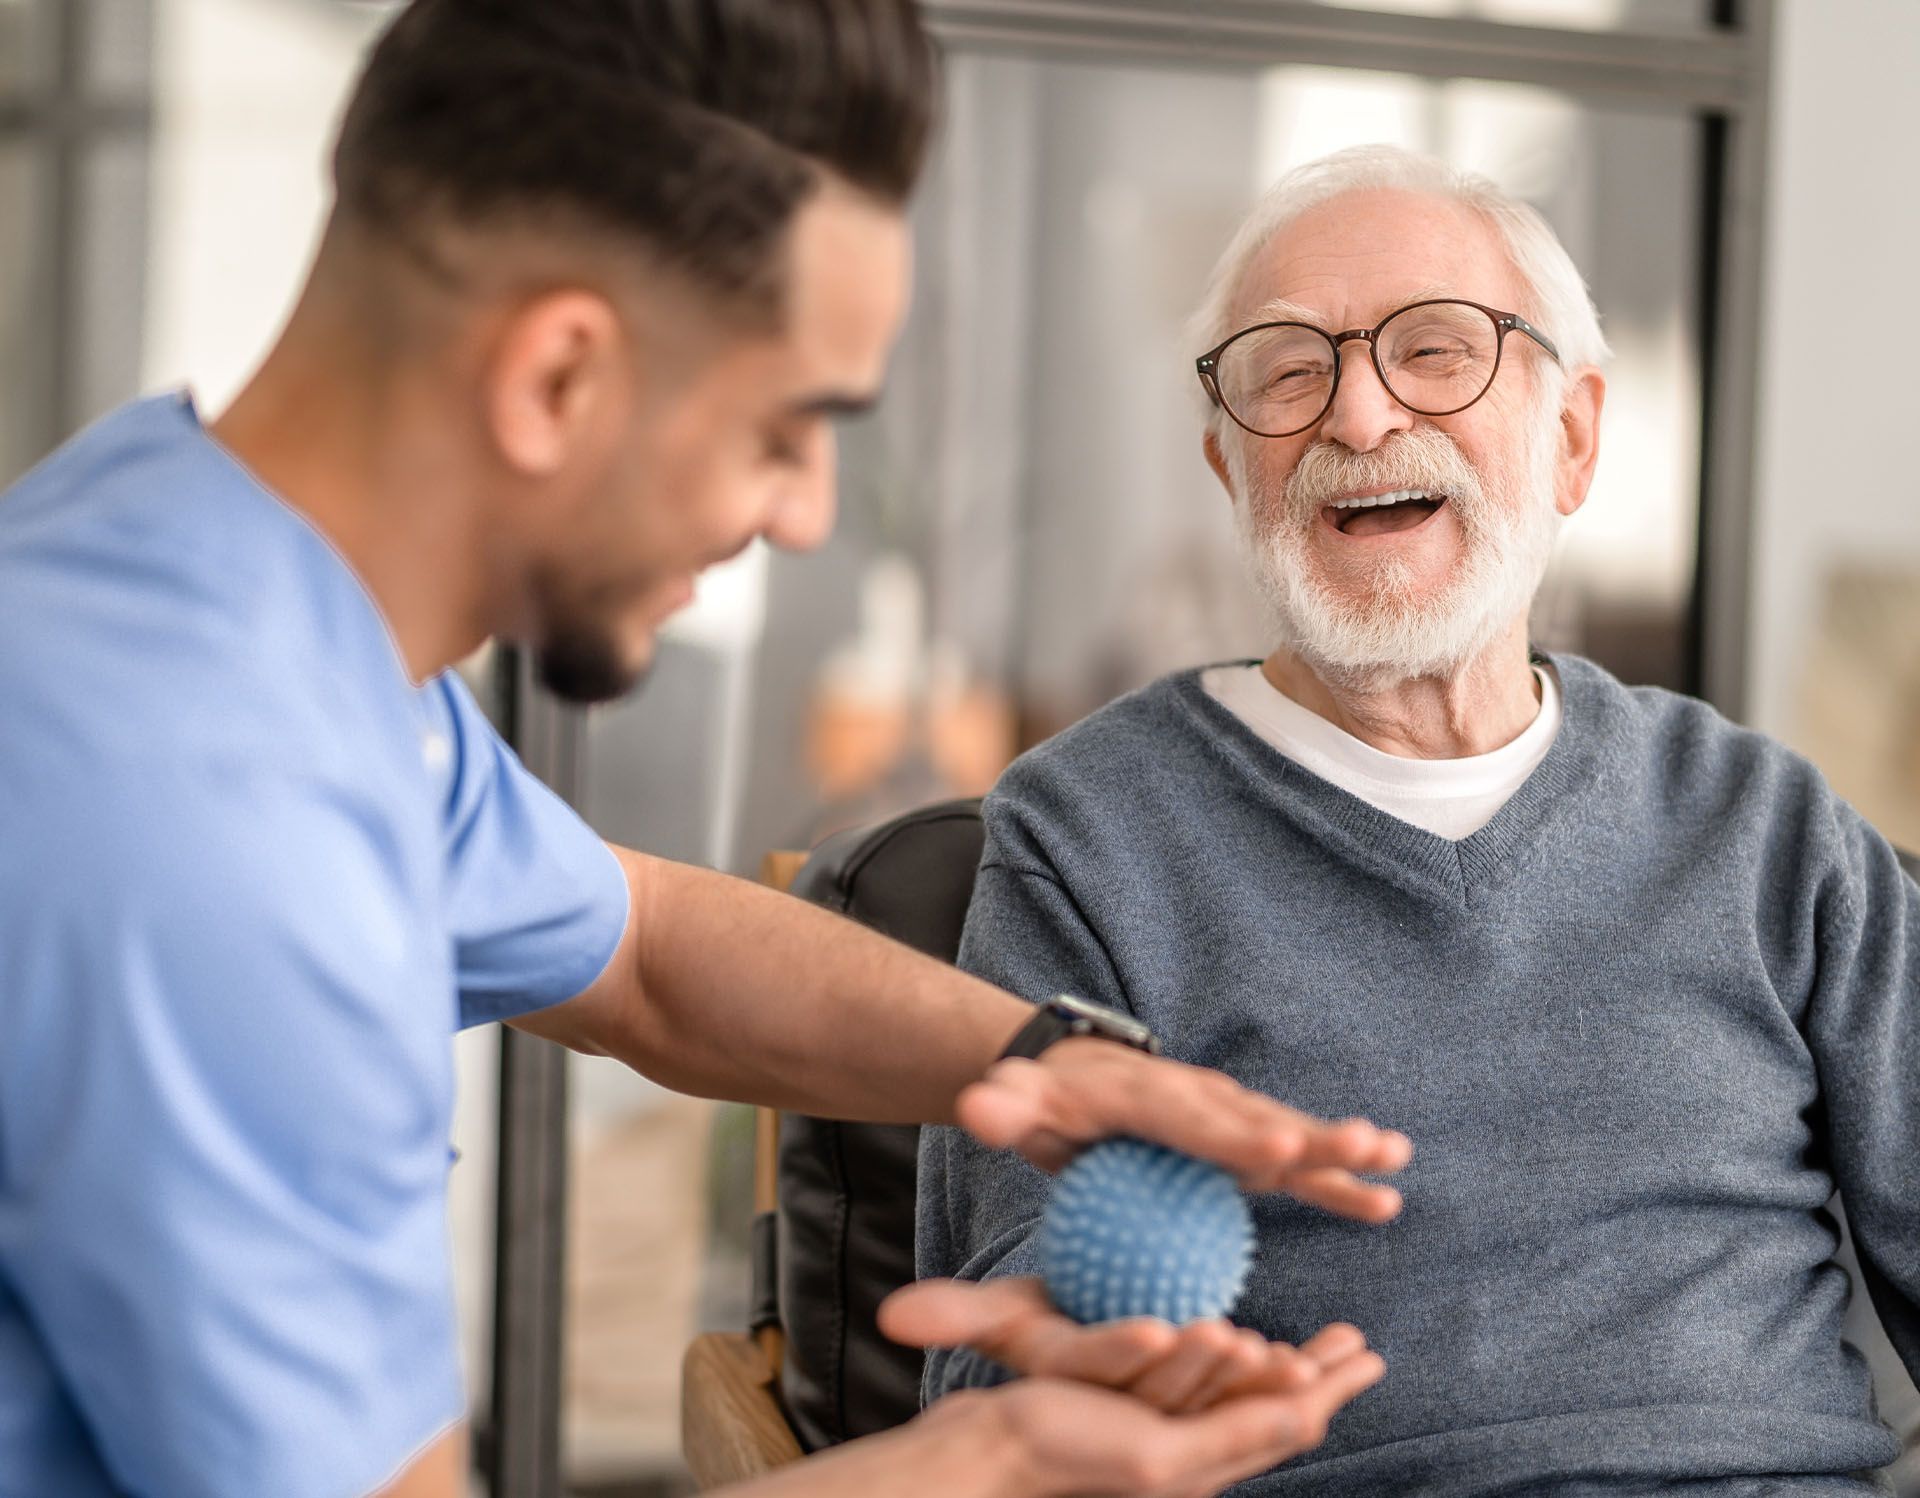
1217 460
1579 438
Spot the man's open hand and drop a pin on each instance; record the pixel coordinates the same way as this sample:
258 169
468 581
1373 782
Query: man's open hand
1132 1407
1178 1370
1081 1091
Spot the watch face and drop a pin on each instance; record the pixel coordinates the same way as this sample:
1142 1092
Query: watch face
1098 1019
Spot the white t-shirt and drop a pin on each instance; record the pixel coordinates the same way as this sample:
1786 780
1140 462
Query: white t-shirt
1451 798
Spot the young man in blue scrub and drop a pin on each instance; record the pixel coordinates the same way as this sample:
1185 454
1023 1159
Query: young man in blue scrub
599 275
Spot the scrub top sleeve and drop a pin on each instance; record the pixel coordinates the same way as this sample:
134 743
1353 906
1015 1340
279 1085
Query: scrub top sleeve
537 902
225 1216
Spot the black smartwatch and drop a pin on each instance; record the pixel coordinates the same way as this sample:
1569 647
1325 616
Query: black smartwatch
1064 1015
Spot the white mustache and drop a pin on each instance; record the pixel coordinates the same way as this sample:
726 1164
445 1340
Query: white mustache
1418 458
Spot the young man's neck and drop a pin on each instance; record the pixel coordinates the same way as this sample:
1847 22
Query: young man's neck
1487 704
373 460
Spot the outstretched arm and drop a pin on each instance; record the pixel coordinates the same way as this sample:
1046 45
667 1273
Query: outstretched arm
726 989
1042 1438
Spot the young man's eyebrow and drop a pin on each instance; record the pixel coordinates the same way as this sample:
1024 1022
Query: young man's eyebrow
836 404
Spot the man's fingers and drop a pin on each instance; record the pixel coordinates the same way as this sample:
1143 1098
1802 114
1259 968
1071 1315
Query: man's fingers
1338 1191
1340 1384
1333 1344
1281 1369
1351 1146
1292 1423
1396 1153
1111 1442
1170 1382
1172 1369
1082 1091
950 1313
1212 1116
1113 1355
1243 1436
1206 1113
1356 1144
1263 1142
1011 1322
1250 1361
1285 1371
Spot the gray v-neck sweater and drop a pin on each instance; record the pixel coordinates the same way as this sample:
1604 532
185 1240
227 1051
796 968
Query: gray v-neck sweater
1640 1027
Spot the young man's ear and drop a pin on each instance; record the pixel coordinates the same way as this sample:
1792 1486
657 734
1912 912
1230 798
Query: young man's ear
551 375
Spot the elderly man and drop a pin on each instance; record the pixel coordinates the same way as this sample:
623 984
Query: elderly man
1639 986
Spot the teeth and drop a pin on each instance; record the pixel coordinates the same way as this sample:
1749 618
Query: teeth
1392 497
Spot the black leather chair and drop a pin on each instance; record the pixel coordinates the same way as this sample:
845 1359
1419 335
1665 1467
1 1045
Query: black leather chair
815 1369
837 1236
845 1221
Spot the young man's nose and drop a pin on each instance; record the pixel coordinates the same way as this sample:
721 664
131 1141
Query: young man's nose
803 510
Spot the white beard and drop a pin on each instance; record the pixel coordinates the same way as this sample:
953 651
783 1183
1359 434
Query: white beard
1508 523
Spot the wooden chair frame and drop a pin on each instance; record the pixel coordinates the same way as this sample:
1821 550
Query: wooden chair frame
733 1425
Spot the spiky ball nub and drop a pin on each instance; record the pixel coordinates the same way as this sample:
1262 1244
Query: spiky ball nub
1136 1229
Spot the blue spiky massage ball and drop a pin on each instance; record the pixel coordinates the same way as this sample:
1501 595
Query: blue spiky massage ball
1136 1229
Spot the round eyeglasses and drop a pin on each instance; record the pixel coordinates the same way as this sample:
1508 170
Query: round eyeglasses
1276 379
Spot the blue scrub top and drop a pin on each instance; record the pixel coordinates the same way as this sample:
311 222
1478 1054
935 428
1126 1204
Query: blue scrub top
251 879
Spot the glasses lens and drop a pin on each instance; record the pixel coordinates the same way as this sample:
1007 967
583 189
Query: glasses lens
1438 357
1277 380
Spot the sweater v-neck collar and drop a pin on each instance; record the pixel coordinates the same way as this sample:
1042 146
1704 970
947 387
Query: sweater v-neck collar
1460 870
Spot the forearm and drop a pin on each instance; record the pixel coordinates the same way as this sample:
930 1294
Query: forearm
438 1472
946 1458
744 993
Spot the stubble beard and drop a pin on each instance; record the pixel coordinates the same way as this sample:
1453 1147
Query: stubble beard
578 656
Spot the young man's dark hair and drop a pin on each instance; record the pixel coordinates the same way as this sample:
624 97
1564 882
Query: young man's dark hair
697 126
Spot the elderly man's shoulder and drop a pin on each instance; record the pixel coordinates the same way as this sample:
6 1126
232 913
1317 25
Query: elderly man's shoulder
1685 745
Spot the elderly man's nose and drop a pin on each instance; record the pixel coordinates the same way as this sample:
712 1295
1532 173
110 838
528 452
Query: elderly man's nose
1363 414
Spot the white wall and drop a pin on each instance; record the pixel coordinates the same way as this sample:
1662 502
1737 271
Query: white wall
1838 393
246 96
1840 386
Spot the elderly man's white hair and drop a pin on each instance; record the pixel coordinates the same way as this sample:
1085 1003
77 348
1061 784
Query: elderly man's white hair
1556 299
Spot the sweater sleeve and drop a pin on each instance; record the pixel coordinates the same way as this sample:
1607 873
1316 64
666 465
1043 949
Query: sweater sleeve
1864 1028
979 1209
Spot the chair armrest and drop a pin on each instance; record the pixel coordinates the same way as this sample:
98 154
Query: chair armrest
731 1424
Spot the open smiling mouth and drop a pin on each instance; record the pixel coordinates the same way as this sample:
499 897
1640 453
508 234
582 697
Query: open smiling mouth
1384 514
